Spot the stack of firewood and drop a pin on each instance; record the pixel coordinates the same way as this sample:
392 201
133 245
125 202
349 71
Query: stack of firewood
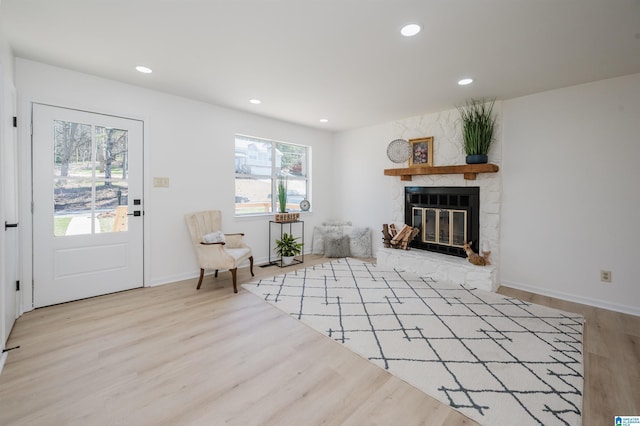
399 240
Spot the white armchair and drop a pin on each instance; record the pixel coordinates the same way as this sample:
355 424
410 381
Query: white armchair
216 250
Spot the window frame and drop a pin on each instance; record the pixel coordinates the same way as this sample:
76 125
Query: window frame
273 176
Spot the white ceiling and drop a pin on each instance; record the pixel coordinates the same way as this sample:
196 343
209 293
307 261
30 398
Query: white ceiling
343 60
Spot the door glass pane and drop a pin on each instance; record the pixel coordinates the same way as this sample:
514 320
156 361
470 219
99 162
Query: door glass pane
72 149
112 170
72 179
430 225
111 206
459 228
444 227
417 220
72 206
111 153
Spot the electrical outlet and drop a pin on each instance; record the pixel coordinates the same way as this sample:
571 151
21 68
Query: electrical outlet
605 276
161 182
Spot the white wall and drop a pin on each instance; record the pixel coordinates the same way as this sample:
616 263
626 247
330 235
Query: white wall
190 142
359 161
571 193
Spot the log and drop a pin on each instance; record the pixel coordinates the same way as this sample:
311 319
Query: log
409 237
386 237
394 239
406 229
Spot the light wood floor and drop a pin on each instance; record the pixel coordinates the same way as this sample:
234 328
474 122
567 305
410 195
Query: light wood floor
175 355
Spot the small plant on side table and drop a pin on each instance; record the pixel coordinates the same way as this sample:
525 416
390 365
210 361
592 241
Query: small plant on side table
287 248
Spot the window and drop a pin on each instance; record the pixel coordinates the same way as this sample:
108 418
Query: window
259 164
90 175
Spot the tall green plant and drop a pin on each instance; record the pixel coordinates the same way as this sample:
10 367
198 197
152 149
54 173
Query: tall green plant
478 125
282 194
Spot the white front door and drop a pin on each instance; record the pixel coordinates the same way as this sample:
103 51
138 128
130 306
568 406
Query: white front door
87 204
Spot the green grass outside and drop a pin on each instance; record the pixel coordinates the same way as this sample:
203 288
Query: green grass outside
60 225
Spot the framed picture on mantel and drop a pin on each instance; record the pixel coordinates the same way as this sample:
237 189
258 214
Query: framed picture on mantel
421 152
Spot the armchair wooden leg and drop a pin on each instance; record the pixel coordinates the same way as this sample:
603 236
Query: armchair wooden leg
233 276
251 265
200 280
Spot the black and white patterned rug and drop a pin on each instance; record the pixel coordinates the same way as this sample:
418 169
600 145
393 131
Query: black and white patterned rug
498 360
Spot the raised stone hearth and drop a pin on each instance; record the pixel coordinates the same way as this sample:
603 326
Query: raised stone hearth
440 267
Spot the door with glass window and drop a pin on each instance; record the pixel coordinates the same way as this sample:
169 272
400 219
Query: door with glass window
87 204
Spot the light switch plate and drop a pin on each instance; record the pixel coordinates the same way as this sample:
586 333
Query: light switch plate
161 182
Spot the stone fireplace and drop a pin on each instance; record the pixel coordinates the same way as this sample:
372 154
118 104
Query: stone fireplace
448 263
446 216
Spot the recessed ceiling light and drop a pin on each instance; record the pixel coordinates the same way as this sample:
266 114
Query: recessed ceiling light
465 81
410 30
255 101
143 69
324 120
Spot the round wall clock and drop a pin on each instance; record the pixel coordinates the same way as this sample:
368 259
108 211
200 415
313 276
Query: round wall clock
305 205
399 150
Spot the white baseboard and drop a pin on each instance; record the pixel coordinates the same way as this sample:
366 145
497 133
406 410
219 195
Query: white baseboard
626 309
168 279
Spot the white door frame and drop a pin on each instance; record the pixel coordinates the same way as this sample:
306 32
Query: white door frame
10 271
94 262
25 102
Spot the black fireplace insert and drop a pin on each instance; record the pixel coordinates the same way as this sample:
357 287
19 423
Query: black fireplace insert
446 216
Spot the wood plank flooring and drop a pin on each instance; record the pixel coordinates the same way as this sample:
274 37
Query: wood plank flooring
176 355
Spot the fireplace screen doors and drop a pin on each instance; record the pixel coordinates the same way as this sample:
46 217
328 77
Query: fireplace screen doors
441 226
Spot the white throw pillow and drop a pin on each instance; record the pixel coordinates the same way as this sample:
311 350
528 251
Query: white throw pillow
214 237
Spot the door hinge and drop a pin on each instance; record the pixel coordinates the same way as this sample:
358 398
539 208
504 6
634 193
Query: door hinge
18 285
15 121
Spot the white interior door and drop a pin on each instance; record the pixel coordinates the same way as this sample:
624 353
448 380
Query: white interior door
9 181
87 204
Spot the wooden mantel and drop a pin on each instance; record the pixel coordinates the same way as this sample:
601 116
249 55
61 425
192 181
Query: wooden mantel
469 171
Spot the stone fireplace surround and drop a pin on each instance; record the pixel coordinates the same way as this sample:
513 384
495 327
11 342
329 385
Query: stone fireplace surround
447 151
446 267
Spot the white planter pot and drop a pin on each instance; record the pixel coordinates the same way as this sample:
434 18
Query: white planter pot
287 260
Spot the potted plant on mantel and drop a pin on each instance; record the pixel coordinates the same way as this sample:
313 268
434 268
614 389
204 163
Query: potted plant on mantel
287 248
478 129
